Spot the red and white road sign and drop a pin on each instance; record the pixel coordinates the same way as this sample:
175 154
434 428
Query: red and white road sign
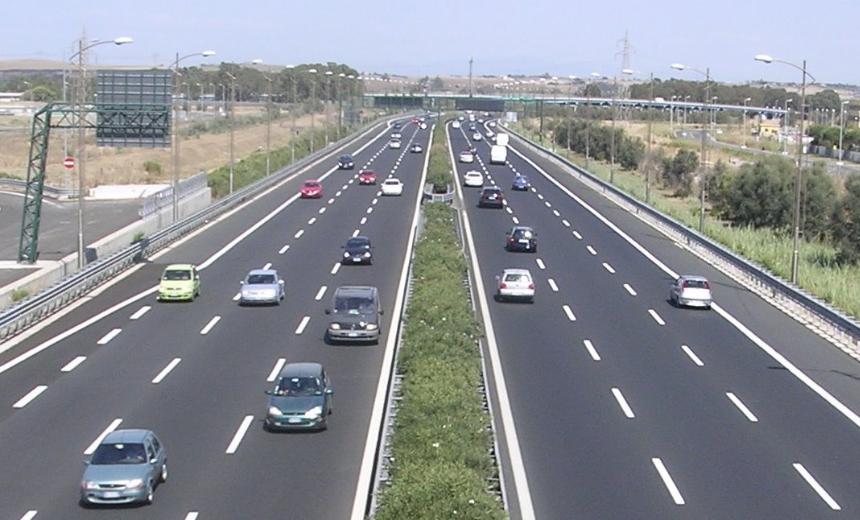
69 163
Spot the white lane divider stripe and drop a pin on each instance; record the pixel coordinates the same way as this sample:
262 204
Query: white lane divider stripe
577 235
302 325
322 210
109 336
311 221
369 211
816 486
667 481
320 293
363 221
515 220
742 407
95 444
509 210
540 263
331 200
552 285
591 250
299 233
547 204
166 370
629 289
692 355
591 350
279 364
569 313
355 233
30 515
237 296
556 213
284 249
73 364
539 195
374 201
268 265
240 434
192 515
656 317
140 312
32 394
335 268
205 330
565 222
622 402
338 194
608 267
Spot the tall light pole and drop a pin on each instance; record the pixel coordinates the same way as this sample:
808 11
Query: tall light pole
174 128
83 47
746 104
704 179
292 88
594 75
569 103
795 254
841 130
328 75
232 116
258 61
313 103
339 90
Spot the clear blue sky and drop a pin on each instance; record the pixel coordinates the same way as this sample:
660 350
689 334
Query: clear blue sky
437 37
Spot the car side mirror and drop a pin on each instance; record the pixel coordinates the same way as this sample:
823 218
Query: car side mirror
241 282
86 462
280 282
269 392
153 460
329 391
328 311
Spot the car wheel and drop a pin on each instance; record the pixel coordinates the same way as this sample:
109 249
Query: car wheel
163 477
150 495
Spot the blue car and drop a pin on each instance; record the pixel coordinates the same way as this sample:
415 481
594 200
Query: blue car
521 183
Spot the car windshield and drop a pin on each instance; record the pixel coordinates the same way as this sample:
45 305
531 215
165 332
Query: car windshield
345 158
299 386
262 279
119 454
516 277
356 243
177 274
353 304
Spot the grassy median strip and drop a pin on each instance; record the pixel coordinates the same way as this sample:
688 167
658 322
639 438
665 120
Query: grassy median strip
441 465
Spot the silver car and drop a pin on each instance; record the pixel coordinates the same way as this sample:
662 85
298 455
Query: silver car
691 291
125 468
262 286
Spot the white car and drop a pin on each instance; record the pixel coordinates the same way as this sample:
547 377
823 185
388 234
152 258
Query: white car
477 136
461 118
691 291
491 124
467 157
392 187
515 284
394 144
423 126
396 135
455 124
473 179
490 134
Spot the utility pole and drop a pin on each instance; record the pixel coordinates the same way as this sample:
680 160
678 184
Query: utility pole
470 76
82 145
650 157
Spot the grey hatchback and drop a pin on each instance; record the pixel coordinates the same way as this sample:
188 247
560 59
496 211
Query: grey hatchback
125 468
301 399
354 314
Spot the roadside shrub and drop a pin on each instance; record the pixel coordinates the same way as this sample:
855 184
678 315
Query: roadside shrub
152 167
19 294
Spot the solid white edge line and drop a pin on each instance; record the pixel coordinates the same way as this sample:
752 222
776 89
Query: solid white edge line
108 337
364 481
279 364
629 289
95 444
742 407
73 364
30 515
302 325
239 435
518 470
656 317
205 330
667 481
29 396
816 486
570 315
166 370
622 402
320 293
692 355
552 284
591 350
140 312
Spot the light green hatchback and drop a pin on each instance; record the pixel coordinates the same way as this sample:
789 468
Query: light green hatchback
179 282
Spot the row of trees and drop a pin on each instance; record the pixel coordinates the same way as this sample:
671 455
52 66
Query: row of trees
596 138
828 136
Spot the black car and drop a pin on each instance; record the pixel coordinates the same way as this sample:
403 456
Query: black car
521 238
357 251
491 197
396 125
345 162
416 148
354 315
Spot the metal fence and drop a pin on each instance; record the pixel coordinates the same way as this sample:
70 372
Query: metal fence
49 191
164 198
823 151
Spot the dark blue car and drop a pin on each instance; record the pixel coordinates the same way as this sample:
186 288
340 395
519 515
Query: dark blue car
521 183
345 162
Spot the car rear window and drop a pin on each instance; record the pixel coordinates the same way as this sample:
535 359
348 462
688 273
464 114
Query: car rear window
516 277
696 284
523 233
129 453
312 184
261 279
177 274
299 386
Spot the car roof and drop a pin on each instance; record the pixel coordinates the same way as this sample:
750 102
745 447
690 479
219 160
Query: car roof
473 172
359 237
126 436
492 188
309 181
392 181
263 271
355 290
523 228
301 370
693 277
346 156
179 267
517 271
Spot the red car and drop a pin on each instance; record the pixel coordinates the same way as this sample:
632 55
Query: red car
312 190
367 177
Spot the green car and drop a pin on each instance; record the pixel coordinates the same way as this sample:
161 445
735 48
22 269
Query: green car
179 282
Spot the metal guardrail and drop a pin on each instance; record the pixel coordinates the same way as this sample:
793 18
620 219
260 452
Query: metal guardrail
50 191
823 151
33 309
429 196
164 198
809 309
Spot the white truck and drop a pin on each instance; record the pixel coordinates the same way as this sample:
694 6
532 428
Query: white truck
499 151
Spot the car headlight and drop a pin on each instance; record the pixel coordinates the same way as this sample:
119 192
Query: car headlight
314 412
372 326
274 410
89 485
135 483
334 326
346 255
367 254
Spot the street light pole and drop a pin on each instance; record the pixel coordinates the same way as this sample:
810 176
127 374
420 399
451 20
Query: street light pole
313 103
328 95
231 115
268 119
841 129
292 83
704 153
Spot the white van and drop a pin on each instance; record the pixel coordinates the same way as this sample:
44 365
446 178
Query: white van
498 153
502 139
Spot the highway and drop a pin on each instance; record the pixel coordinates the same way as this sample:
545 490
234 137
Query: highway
622 406
195 373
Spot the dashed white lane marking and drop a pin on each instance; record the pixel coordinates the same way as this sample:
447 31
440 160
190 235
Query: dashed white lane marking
166 370
667 481
547 204
577 235
351 181
240 434
369 211
817 487
267 265
374 201
629 289
540 263
356 233
299 233
205 330
591 250
515 220
335 268
509 210
109 336
608 267
622 402
279 364
237 296
591 350
363 221
302 325
656 316
692 355
30 515
556 213
284 249
331 200
312 221
379 193
191 516
742 407
338 194
322 210
539 195
73 364
32 394
95 444
320 293
345 187
569 313
552 285
566 223
140 312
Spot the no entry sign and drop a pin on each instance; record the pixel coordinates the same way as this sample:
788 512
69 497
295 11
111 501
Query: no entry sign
69 163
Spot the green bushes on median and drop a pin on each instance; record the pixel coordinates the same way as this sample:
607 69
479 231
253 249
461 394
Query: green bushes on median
439 168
